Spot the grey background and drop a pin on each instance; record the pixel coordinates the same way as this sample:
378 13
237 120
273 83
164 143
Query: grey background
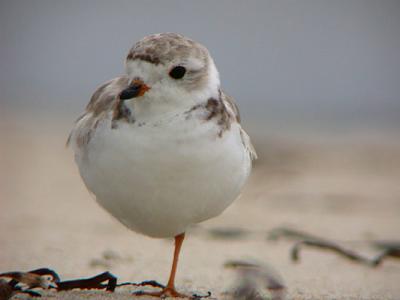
330 65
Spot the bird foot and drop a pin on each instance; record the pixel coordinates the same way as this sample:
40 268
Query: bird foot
170 292
164 293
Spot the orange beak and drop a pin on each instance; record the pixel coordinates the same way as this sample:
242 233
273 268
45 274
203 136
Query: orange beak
143 87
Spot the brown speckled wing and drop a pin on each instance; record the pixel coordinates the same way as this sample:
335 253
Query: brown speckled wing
105 96
228 100
103 101
231 104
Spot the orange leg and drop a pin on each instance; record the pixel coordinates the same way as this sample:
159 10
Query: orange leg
169 290
178 244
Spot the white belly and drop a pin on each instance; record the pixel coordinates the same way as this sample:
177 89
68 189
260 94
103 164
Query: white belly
158 180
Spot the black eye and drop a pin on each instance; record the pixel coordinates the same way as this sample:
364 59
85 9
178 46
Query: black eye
177 72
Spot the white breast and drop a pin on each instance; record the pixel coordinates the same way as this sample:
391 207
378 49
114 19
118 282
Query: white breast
159 178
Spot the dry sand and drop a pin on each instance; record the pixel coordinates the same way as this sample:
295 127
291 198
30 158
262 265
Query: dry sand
347 190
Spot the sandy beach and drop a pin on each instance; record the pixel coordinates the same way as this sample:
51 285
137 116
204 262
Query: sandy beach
346 190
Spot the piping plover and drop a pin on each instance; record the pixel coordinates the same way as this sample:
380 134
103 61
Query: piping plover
161 147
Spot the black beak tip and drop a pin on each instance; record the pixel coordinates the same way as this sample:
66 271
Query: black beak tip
130 92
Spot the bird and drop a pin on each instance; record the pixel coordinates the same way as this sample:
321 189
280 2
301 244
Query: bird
161 147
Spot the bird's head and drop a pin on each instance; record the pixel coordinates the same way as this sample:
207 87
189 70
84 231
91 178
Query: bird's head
168 71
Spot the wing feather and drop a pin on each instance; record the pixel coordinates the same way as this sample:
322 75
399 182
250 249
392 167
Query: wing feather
100 104
233 109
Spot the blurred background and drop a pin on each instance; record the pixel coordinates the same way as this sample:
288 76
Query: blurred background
331 65
318 86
